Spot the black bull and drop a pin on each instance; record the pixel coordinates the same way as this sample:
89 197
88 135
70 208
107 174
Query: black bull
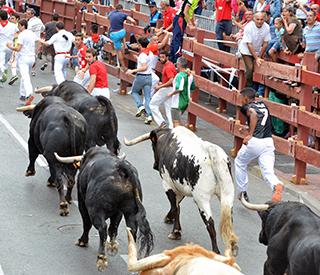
291 230
109 187
56 127
102 123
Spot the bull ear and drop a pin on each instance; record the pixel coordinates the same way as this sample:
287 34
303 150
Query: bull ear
153 137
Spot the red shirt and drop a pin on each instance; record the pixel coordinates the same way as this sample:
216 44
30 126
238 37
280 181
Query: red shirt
168 15
223 10
82 56
100 70
154 48
8 9
318 16
168 71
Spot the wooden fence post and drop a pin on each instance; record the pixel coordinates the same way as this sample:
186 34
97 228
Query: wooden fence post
192 119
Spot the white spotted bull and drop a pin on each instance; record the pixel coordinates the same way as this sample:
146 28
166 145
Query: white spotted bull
199 169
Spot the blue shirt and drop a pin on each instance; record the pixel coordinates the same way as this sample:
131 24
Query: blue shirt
116 20
311 37
154 18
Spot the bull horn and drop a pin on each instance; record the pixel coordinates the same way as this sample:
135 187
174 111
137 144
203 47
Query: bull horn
25 108
251 206
135 265
43 89
68 159
136 140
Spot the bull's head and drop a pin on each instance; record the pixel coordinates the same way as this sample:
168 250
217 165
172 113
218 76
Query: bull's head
263 211
155 136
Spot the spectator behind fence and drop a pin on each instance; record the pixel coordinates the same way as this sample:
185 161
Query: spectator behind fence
143 80
275 45
168 15
184 17
311 34
155 15
117 31
254 44
223 22
248 16
50 29
292 31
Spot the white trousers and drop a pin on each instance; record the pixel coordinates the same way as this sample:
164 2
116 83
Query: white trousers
24 65
263 149
101 91
5 55
60 63
161 97
155 81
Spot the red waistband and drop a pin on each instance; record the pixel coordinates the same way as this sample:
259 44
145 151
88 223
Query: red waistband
63 53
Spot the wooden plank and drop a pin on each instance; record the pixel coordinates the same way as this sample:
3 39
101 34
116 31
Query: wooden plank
309 120
227 59
310 78
289 58
90 17
307 155
113 70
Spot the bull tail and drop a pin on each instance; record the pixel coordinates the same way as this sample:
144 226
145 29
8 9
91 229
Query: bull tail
145 235
221 167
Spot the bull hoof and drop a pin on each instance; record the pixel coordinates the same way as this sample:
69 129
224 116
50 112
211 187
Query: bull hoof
112 248
102 262
175 235
64 211
51 184
68 199
30 173
235 250
81 243
168 220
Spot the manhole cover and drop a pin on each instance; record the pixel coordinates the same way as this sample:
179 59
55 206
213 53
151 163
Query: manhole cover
68 228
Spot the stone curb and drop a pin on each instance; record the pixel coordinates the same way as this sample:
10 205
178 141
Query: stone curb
301 196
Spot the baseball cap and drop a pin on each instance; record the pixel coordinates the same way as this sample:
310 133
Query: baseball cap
152 3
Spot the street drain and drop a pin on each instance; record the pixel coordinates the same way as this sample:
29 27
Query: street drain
69 228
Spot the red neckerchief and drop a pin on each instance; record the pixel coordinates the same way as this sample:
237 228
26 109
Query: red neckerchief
4 23
146 51
95 37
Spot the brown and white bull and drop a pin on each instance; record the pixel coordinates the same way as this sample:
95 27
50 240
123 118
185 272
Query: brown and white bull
186 259
195 168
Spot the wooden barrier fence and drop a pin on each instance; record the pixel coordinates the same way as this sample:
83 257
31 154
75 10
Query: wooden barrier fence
299 117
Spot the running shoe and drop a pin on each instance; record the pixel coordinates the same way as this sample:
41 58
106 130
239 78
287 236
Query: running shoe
13 80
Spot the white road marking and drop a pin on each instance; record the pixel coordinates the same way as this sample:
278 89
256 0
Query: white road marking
124 257
41 160
1 271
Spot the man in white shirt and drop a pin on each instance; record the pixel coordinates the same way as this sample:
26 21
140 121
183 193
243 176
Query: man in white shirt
26 56
62 42
7 31
143 80
254 44
34 24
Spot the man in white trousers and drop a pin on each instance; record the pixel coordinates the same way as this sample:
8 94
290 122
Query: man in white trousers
257 144
25 49
7 31
62 42
162 90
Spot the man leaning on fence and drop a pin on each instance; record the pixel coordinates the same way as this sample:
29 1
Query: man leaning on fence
254 44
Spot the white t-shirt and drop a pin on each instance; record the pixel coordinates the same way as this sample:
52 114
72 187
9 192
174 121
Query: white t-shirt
35 24
60 44
27 39
7 34
144 58
256 36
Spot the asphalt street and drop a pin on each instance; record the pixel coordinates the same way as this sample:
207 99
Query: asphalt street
34 239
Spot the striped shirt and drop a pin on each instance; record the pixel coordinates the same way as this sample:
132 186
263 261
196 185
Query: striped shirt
311 36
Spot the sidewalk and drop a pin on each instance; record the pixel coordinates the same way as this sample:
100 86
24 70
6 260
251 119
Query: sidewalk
284 166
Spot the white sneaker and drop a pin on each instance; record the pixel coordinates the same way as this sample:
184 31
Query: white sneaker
140 111
148 120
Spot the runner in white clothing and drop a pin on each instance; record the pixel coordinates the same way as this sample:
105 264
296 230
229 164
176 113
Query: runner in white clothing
7 31
26 55
62 42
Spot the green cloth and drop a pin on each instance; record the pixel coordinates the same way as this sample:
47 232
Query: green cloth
186 85
280 128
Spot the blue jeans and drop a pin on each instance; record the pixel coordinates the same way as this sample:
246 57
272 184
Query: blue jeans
178 28
142 82
224 26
